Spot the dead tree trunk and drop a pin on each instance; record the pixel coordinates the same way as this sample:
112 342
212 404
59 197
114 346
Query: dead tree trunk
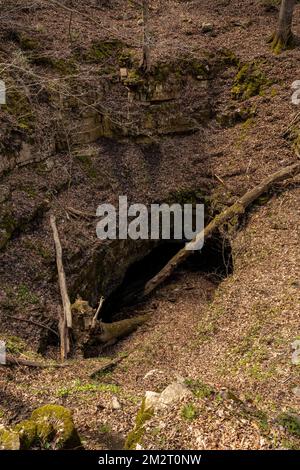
146 60
235 210
65 322
283 37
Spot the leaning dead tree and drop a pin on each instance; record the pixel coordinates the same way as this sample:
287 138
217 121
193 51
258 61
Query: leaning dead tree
235 210
283 37
65 323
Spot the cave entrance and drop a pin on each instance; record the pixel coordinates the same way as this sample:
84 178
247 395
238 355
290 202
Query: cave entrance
215 259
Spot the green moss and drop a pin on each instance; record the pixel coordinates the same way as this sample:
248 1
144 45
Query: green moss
278 44
229 58
236 116
126 58
135 436
103 50
187 196
291 422
54 423
197 68
9 440
105 428
199 389
249 81
8 225
15 345
27 431
134 78
189 412
25 295
19 106
28 43
64 66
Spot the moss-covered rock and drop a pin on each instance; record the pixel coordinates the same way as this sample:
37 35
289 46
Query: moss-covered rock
135 436
249 81
50 426
9 440
27 431
54 424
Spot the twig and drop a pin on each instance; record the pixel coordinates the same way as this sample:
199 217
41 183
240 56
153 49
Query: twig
95 318
27 320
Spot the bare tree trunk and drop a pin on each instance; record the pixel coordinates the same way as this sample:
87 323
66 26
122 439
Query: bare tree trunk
283 38
146 61
65 322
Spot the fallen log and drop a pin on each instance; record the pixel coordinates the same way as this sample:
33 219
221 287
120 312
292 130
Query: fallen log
17 361
237 209
107 334
108 367
65 322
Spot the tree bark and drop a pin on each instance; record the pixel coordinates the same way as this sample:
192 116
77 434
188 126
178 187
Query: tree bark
235 210
284 36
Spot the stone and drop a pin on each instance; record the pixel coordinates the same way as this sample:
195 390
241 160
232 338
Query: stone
296 392
207 27
55 424
123 73
152 372
296 354
173 393
296 344
151 400
115 404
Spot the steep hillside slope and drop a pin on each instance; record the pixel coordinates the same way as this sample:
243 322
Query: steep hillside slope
83 125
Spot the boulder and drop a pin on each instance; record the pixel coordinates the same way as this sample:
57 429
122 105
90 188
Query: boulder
171 394
54 423
50 426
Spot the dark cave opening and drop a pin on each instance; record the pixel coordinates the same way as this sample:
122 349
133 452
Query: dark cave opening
214 259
